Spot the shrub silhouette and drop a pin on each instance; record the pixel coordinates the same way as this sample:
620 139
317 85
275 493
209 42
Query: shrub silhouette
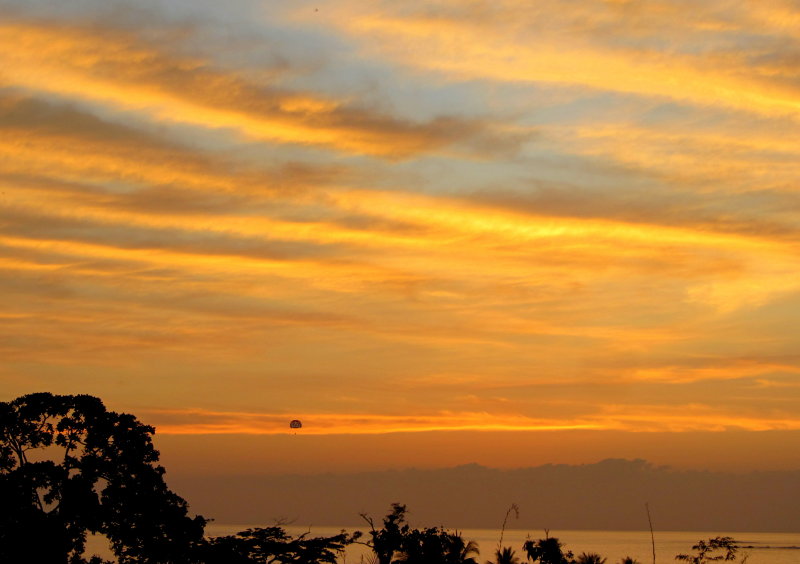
590 558
274 545
398 543
436 546
547 551
715 549
505 555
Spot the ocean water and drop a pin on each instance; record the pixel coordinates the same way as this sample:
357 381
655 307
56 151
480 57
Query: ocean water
761 548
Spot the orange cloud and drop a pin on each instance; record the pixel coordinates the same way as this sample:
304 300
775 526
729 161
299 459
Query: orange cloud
114 69
684 418
724 370
473 43
173 218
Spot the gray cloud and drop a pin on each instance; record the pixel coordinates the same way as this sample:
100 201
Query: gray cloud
203 84
174 239
757 214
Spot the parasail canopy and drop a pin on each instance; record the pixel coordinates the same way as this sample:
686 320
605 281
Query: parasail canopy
295 424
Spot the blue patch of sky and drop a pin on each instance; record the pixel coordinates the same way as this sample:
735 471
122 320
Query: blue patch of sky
538 167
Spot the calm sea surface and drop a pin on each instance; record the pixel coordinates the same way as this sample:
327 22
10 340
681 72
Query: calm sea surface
762 548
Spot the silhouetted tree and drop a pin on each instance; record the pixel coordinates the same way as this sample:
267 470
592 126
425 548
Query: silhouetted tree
505 555
459 551
717 548
547 551
67 467
436 546
388 541
396 542
628 560
272 545
590 558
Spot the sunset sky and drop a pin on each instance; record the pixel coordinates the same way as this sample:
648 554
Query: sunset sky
501 231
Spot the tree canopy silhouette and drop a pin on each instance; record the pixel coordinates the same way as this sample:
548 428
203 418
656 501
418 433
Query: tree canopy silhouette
68 466
717 548
388 540
398 543
272 545
590 558
504 555
547 551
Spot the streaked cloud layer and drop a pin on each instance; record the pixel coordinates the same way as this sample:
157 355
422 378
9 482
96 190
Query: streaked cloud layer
418 216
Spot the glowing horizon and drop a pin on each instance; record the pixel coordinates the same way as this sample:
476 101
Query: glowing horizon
651 419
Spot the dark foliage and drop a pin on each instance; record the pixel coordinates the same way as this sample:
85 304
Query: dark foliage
547 551
387 541
398 543
590 558
67 467
713 550
505 555
436 546
273 545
